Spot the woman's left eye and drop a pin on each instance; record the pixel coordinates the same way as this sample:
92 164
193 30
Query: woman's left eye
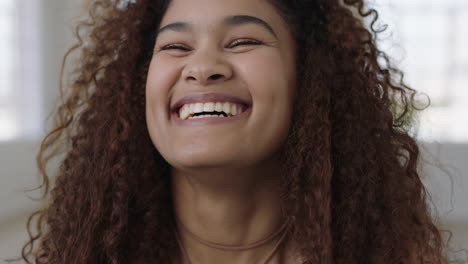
245 42
175 47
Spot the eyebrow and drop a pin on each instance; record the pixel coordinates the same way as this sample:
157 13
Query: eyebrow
228 21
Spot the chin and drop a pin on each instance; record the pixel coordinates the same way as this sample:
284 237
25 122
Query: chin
205 161
218 159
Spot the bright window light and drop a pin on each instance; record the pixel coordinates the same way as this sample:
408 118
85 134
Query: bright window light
20 77
428 41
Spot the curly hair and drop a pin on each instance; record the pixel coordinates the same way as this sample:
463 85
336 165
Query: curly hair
351 183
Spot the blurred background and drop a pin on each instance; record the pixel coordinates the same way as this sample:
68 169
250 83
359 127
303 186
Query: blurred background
428 40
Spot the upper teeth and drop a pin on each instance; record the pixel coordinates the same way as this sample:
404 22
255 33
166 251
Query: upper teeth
189 110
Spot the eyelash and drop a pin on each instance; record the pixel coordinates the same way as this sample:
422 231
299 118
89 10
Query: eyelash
246 42
235 43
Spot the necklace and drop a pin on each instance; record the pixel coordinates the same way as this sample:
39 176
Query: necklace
283 230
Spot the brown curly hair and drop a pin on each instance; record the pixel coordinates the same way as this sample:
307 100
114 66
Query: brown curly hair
351 183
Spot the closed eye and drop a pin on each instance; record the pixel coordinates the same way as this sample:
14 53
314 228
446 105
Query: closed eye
245 42
235 43
175 47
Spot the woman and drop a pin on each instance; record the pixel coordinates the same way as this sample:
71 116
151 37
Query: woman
247 131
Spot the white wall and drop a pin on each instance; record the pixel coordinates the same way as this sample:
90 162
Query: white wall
445 175
17 159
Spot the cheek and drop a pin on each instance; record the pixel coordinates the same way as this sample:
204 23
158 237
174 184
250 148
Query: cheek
267 72
269 79
161 76
268 76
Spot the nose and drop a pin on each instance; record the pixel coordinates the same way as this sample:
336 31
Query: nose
206 68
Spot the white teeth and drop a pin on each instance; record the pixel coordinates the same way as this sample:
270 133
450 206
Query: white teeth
234 110
185 111
198 108
201 116
230 109
227 108
208 107
218 107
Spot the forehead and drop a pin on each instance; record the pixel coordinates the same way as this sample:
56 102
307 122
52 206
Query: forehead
210 13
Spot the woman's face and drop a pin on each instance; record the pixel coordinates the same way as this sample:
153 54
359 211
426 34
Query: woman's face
233 58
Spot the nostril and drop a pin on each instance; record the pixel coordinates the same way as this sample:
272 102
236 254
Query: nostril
215 76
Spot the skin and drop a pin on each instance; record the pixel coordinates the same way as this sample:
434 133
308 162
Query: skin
224 176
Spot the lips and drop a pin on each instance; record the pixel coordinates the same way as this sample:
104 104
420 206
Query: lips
210 120
208 97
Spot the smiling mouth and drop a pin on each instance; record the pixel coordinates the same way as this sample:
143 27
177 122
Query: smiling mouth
210 109
207 114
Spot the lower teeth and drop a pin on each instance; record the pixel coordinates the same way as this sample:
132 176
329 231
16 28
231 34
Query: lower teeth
201 116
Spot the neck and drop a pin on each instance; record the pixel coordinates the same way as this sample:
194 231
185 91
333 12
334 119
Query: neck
234 207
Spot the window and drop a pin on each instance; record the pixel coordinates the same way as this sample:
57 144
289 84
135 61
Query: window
20 113
428 40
